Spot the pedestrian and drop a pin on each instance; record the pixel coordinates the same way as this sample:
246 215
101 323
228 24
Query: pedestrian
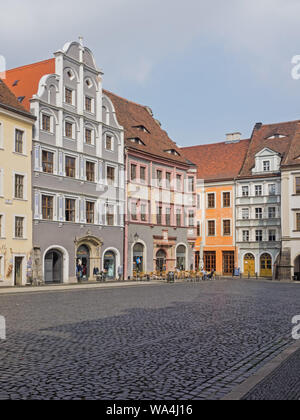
79 270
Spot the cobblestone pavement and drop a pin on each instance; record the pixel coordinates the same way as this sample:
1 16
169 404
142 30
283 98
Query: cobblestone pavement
177 341
282 384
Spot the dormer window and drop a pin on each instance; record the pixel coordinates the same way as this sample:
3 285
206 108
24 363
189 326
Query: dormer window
266 166
137 140
276 136
142 128
172 152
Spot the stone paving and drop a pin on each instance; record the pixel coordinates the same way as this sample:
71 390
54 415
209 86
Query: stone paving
177 341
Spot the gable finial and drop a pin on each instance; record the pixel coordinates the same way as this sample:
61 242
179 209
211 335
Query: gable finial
80 40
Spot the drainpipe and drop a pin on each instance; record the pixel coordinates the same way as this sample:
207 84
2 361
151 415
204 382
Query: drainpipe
125 253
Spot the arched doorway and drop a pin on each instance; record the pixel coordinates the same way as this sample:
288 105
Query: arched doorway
297 268
83 259
138 257
266 265
161 260
249 265
109 264
181 257
54 266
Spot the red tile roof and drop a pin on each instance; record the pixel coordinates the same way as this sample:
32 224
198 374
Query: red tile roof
8 100
261 139
27 79
218 161
155 140
293 155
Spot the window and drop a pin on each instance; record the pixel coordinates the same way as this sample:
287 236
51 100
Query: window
271 212
178 217
266 166
90 171
68 130
168 180
246 236
109 143
168 216
178 182
46 122
226 199
133 172
245 191
191 184
258 235
143 173
69 96
198 229
143 212
110 216
159 178
70 210
258 213
272 189
211 200
110 175
19 186
70 167
298 222
47 162
88 136
226 228
47 207
19 141
19 227
88 104
245 214
191 218
198 201
297 182
90 212
133 211
228 262
211 228
159 215
258 190
272 235
210 261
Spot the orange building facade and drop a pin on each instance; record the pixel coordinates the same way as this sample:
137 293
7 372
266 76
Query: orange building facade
215 245
218 165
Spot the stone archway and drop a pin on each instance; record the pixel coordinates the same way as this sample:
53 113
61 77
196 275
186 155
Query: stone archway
54 266
297 268
249 265
88 250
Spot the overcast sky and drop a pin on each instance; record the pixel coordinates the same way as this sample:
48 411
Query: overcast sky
205 67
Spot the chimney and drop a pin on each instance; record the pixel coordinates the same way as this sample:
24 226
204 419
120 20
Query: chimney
258 126
233 137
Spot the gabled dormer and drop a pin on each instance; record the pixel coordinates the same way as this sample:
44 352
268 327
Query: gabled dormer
266 161
142 128
137 140
172 152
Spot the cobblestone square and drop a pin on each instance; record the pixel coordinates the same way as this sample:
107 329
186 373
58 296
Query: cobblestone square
177 341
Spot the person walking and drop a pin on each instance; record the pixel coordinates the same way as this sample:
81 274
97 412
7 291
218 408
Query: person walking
120 272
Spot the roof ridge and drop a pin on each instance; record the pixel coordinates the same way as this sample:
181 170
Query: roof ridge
125 99
227 143
30 65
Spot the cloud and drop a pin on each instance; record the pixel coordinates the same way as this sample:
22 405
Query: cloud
131 37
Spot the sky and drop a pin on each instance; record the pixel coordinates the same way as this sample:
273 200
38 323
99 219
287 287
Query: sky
205 67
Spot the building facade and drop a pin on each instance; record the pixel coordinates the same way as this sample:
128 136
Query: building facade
78 167
289 266
217 166
161 195
258 200
15 190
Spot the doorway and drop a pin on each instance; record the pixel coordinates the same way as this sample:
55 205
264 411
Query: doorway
83 259
249 265
266 265
18 271
110 264
138 258
297 268
228 263
161 259
54 267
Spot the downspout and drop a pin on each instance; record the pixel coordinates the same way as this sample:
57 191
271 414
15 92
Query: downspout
126 219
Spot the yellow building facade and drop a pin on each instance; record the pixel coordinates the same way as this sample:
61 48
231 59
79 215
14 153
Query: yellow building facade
15 190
